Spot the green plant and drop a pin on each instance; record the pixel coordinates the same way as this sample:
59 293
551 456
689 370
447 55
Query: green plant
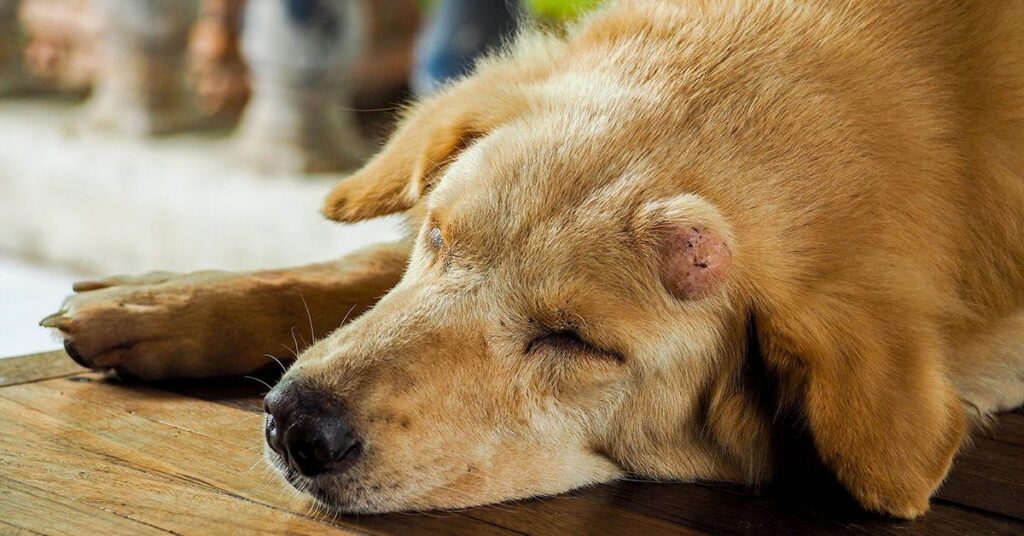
561 9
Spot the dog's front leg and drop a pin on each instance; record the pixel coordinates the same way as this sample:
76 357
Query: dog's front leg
204 324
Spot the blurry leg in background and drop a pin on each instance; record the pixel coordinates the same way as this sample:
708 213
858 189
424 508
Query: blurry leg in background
60 43
219 78
12 75
457 33
300 56
140 88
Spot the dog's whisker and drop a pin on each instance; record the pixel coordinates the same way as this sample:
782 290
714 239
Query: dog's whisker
312 332
350 309
311 509
259 380
278 361
285 346
253 466
294 340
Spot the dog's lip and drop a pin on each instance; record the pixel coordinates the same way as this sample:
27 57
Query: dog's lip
309 486
326 488
301 483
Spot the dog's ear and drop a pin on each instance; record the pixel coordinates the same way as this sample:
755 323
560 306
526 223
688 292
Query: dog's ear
867 382
860 366
431 136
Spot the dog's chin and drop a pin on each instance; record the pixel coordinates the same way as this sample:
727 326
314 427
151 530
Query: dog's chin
341 494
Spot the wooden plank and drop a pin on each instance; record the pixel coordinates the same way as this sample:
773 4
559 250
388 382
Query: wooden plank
198 450
574 515
245 393
144 454
988 475
242 429
45 453
167 409
239 428
715 509
30 368
10 530
563 515
728 510
1009 428
33 509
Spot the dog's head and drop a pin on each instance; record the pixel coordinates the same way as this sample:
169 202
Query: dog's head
571 312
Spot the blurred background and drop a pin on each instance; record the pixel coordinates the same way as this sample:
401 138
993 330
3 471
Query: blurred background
140 135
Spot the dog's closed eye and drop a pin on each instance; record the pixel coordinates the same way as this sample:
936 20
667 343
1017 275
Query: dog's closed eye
566 340
559 340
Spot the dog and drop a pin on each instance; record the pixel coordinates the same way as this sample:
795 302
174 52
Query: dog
637 248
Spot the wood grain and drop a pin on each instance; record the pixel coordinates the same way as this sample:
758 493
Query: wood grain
29 368
988 475
30 508
83 455
1009 429
175 451
104 471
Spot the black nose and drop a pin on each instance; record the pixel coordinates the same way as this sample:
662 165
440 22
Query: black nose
309 429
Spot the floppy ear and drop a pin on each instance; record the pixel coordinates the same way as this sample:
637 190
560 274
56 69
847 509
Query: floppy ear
861 364
866 376
430 137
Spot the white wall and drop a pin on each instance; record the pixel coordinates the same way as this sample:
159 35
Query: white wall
29 292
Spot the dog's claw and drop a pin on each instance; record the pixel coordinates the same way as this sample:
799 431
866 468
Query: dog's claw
57 320
84 286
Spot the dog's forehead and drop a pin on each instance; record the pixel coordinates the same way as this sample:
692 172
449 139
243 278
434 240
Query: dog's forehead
536 171
551 214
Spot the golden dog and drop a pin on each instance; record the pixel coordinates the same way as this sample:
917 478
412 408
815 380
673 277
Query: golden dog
638 247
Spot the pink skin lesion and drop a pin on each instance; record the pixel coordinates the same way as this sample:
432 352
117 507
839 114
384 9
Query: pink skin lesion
698 262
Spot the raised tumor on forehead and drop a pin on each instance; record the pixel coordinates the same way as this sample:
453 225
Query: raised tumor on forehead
697 262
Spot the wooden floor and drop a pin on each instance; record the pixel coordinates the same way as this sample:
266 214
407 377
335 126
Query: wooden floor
81 455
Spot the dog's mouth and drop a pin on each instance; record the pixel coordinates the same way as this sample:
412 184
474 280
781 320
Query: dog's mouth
311 486
339 492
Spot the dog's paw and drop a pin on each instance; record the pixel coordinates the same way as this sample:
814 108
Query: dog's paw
154 326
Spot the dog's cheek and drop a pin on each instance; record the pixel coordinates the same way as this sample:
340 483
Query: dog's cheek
697 262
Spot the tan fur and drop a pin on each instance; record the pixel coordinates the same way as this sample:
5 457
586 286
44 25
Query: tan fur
864 165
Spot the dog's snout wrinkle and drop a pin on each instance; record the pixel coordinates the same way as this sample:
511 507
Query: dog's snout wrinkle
309 431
